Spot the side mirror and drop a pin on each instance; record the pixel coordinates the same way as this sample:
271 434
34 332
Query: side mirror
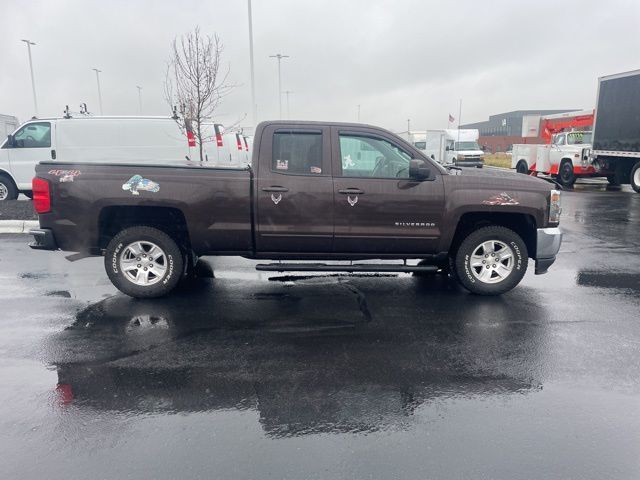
10 141
418 169
447 148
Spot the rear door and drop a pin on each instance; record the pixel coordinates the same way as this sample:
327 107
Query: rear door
294 190
378 209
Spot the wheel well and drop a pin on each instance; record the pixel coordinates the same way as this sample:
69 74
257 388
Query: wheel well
4 173
523 225
170 220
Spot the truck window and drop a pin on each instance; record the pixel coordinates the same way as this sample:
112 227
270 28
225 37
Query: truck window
33 135
578 138
364 156
297 153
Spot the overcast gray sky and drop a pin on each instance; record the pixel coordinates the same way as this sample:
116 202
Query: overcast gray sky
397 59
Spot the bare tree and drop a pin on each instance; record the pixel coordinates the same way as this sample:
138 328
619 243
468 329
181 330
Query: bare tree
195 81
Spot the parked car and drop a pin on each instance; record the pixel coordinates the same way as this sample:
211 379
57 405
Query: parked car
314 192
87 139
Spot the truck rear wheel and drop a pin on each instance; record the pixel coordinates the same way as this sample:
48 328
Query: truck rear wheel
566 177
491 261
635 177
143 262
522 167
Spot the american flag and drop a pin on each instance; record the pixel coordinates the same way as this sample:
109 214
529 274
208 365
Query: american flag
451 119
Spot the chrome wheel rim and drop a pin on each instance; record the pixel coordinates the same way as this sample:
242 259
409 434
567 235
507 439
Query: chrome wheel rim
143 263
636 177
492 261
4 191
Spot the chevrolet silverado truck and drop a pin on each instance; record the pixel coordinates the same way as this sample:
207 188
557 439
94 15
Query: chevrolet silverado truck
314 195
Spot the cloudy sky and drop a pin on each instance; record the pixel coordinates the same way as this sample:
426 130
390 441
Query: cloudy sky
397 59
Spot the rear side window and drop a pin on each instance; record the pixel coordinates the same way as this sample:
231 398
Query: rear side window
297 153
33 135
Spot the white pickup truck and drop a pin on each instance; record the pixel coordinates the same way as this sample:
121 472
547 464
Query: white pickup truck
565 159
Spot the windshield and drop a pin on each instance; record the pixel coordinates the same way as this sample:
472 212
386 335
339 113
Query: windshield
578 138
462 146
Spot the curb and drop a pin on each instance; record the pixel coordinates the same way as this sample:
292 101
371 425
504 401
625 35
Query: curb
18 226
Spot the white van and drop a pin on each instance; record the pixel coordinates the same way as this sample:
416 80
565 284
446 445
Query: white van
87 139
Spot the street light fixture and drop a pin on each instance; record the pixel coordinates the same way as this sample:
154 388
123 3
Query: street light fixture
98 72
33 82
279 56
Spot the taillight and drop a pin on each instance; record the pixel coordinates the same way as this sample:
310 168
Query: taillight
41 195
238 142
191 139
219 139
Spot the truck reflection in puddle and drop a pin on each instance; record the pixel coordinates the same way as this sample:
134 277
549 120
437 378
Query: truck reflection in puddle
303 357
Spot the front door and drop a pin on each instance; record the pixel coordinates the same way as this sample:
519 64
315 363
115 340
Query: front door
378 209
294 191
31 144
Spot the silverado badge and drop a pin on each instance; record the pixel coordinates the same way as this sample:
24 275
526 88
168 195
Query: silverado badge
136 183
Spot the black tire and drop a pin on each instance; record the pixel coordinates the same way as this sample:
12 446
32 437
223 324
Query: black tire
8 190
522 167
635 177
566 177
495 284
172 262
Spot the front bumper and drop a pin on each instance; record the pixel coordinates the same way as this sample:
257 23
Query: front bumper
469 163
43 239
548 245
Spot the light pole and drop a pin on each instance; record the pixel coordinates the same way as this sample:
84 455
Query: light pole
99 93
279 56
253 81
287 92
358 113
33 82
139 97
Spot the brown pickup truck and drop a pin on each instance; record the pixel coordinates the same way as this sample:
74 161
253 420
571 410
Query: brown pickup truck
314 193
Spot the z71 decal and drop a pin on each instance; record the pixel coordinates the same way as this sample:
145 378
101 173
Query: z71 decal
136 183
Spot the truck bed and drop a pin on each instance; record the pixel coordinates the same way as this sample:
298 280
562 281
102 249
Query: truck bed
215 202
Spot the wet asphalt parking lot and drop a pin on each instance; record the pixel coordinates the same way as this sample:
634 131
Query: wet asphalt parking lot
252 376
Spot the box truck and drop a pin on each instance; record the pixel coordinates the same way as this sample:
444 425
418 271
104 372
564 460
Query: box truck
616 129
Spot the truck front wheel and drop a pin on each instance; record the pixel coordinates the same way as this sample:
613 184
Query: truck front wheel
566 177
522 167
635 177
143 262
8 190
491 260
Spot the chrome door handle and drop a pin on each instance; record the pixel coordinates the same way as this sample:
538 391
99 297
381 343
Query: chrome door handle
275 188
351 191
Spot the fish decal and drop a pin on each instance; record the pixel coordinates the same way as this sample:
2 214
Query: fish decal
501 199
137 182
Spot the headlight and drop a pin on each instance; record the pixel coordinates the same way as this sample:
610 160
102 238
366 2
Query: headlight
555 207
460 157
